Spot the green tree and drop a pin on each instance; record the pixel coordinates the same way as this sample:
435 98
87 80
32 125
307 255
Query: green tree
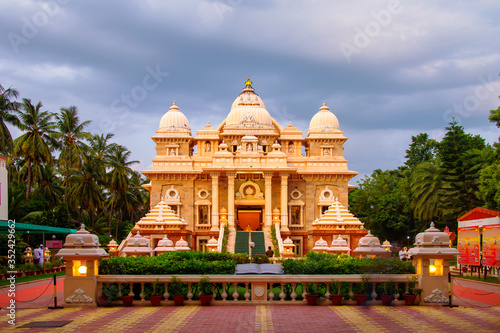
489 185
70 135
382 202
117 177
8 109
422 149
33 147
427 188
460 181
85 192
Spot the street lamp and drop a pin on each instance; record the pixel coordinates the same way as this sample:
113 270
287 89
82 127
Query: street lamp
408 238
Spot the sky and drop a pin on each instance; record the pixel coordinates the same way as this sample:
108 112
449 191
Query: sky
387 69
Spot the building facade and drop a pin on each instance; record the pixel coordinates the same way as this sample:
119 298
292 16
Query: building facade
249 173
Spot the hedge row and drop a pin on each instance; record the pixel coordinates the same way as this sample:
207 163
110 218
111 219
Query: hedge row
182 262
320 263
193 262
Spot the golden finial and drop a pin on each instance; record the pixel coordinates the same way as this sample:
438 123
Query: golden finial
324 103
248 83
174 103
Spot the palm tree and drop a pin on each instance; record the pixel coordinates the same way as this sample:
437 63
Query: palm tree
70 135
428 188
7 109
85 192
33 146
101 148
118 175
49 185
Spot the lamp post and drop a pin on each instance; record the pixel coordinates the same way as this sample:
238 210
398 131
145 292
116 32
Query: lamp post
408 238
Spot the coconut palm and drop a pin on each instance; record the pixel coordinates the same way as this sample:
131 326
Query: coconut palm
34 146
428 190
70 136
118 175
101 148
8 110
85 192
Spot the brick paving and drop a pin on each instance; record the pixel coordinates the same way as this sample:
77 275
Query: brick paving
476 314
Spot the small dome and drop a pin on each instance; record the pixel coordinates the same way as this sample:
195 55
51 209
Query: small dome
164 245
212 241
323 120
182 245
174 120
321 245
248 107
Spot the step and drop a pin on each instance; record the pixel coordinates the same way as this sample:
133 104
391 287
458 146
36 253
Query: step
241 242
260 245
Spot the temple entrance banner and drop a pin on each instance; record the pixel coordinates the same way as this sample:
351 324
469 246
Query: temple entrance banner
248 218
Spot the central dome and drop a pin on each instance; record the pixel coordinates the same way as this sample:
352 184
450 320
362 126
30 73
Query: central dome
248 106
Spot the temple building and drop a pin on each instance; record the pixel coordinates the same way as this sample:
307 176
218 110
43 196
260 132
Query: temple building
249 174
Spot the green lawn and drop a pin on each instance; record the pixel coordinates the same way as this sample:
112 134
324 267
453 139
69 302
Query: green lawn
32 278
489 279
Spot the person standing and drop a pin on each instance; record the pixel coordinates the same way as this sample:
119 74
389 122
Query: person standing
269 252
402 254
38 254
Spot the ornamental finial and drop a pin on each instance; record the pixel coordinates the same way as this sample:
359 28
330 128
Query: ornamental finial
248 83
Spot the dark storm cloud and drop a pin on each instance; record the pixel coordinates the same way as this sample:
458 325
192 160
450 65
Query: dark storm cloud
426 63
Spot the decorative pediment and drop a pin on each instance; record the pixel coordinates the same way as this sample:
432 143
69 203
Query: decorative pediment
249 190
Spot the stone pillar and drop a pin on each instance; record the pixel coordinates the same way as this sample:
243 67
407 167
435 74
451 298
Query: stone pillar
230 200
268 211
284 202
215 201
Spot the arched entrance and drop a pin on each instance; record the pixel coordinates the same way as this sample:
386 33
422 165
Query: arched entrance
249 218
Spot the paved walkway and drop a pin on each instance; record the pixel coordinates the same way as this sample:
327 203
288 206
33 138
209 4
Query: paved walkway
475 314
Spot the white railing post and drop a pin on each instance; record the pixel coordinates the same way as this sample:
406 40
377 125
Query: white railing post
221 238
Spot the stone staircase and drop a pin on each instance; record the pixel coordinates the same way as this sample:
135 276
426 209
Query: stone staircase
241 242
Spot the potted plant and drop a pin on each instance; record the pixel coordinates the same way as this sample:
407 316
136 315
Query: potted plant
206 292
312 293
413 292
335 287
388 292
155 292
177 289
125 291
109 293
360 290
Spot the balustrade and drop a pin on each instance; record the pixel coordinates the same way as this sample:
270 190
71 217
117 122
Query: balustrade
254 287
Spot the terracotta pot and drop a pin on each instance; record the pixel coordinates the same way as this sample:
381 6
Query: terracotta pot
311 299
103 301
19 274
386 299
336 299
127 300
361 299
409 299
63 268
178 300
155 300
205 299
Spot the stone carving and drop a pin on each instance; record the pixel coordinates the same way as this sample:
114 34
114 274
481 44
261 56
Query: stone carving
79 297
79 241
436 240
436 297
259 291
